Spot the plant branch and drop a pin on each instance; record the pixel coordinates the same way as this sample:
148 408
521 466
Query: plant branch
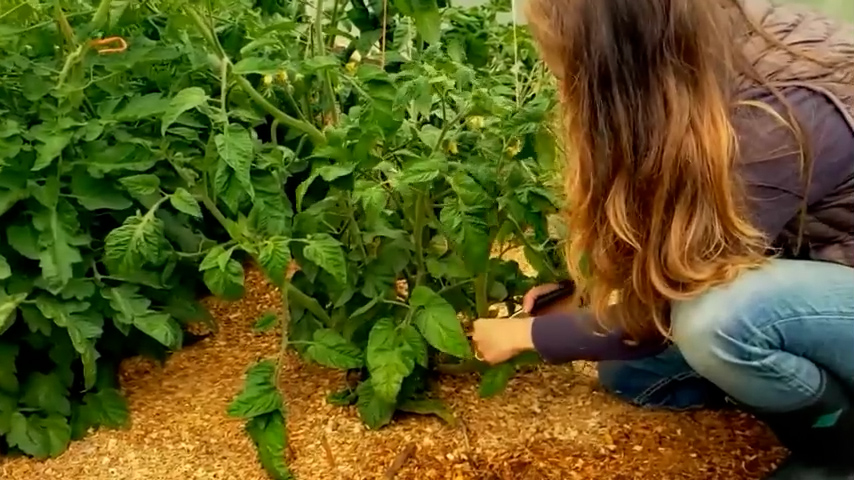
310 304
102 15
315 135
418 234
481 295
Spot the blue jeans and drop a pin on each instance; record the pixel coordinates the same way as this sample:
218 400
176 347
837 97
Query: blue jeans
763 341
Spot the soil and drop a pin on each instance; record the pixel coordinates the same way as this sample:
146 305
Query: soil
552 423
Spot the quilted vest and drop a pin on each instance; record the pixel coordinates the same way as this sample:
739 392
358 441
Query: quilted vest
829 226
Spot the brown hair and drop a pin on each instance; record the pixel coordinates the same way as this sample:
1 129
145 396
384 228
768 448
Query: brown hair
653 198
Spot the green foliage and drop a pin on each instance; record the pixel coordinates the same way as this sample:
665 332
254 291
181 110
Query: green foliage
132 182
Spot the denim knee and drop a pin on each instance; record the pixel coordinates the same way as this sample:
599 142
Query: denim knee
663 381
759 338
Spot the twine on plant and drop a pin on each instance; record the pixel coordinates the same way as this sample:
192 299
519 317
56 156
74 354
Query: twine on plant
516 54
385 21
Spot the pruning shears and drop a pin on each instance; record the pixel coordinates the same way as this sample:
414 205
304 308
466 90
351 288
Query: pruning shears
565 289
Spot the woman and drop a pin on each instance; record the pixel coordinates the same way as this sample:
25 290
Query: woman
710 175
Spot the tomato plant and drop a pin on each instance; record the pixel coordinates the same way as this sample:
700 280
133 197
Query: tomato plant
392 150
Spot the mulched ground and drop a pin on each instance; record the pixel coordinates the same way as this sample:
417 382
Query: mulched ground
552 423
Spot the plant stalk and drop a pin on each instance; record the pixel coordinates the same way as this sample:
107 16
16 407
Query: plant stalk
314 134
481 295
102 15
418 234
300 298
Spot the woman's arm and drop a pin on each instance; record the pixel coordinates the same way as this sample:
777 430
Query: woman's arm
566 336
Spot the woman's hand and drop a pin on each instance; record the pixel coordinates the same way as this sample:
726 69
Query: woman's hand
499 339
532 295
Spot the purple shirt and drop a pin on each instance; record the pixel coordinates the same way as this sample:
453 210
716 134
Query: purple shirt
775 190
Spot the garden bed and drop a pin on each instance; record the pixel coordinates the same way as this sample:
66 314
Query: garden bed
551 423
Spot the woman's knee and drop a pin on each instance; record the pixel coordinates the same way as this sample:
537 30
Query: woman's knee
663 381
743 321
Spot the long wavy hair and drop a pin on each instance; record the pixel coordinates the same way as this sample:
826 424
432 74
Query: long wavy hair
656 211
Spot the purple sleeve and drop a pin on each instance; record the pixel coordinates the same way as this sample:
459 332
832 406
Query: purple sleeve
770 166
564 337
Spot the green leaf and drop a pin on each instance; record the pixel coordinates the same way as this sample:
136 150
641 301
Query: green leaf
40 437
8 199
47 393
83 327
438 322
429 407
341 398
24 239
269 435
259 395
95 194
330 349
217 257
107 407
274 257
374 411
428 19
161 327
326 252
144 184
5 272
35 320
255 65
226 282
495 380
8 307
235 148
139 241
47 152
267 321
389 359
415 343
330 173
183 201
126 301
58 256
186 99
8 407
8 377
